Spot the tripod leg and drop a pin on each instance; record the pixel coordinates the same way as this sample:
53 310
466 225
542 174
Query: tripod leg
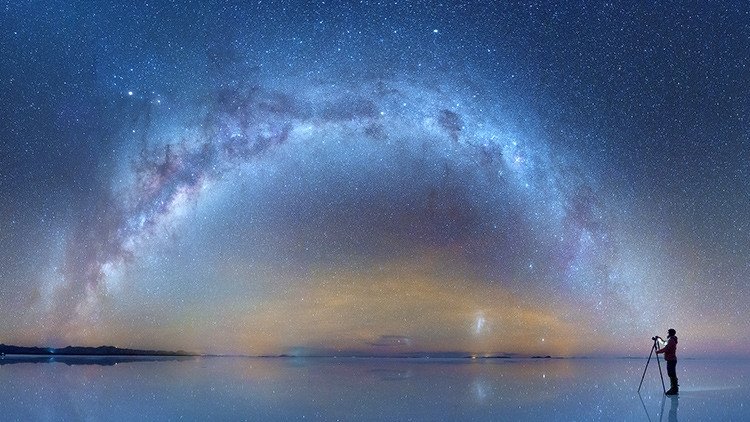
660 374
661 413
644 369
644 407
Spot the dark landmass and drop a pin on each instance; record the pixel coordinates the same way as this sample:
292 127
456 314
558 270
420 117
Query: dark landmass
86 351
100 360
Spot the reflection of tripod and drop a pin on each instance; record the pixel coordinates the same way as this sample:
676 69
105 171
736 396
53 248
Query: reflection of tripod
653 349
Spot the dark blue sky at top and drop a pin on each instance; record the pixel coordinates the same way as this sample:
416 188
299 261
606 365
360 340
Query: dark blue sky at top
652 99
656 88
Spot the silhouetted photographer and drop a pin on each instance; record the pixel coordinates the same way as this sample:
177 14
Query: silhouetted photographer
669 348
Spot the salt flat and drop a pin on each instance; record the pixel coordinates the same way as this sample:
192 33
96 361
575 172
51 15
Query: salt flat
236 388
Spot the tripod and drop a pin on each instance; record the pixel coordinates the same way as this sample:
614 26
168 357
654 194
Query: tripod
653 349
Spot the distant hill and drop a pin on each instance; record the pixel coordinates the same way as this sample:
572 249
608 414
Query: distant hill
87 351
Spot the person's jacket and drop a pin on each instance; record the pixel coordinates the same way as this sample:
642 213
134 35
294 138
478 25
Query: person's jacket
670 349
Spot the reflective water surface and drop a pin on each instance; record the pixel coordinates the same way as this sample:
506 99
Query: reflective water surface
366 389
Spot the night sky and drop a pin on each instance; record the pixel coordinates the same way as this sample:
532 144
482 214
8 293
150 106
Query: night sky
375 178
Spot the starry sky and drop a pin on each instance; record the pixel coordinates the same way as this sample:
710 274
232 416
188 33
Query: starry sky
375 178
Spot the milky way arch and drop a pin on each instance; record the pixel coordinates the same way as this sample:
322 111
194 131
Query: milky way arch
237 125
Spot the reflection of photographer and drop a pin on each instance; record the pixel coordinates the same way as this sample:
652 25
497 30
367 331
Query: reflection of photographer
669 348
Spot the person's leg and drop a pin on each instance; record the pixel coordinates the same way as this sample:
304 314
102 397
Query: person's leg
671 368
672 374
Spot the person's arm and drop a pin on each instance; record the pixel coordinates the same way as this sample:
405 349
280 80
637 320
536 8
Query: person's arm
661 345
